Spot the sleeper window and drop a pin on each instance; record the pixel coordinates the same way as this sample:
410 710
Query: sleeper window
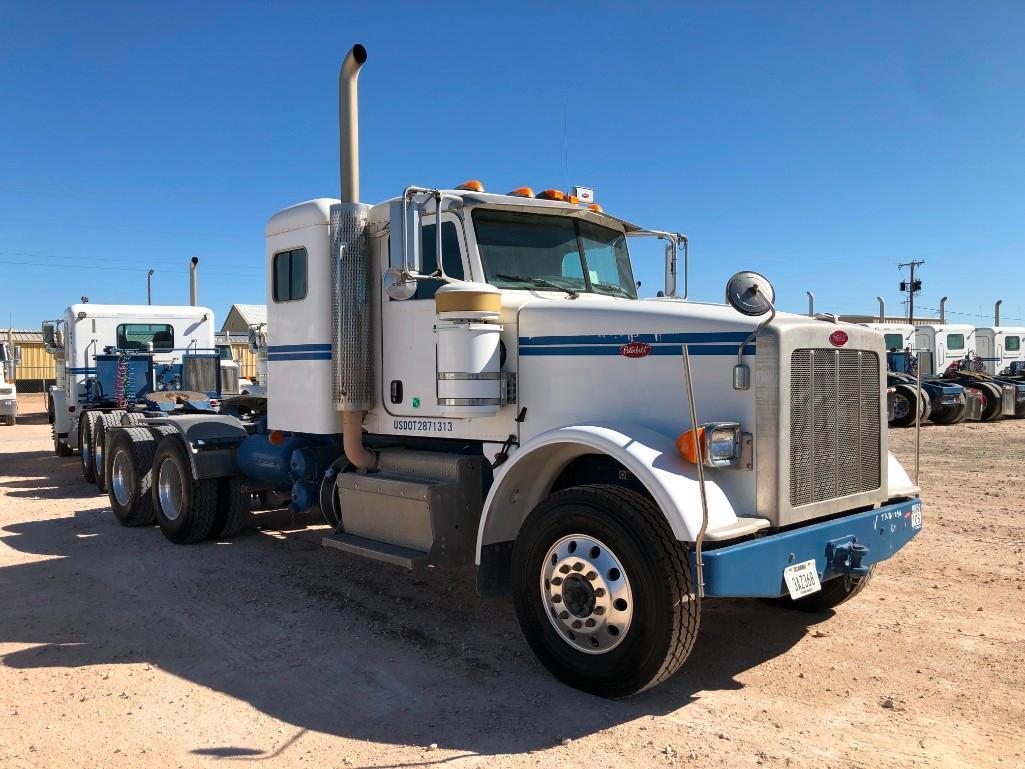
290 275
955 341
1012 343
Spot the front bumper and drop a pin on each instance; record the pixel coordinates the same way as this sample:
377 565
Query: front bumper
755 568
8 406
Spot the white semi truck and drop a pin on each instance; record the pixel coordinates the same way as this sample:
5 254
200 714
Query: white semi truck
8 388
109 356
940 345
1000 347
514 405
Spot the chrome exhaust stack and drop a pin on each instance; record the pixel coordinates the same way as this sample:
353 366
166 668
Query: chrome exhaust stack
351 352
193 281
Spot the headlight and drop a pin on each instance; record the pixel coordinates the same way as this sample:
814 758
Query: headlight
720 444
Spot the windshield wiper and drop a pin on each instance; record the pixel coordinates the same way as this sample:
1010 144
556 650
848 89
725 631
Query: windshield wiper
541 282
613 287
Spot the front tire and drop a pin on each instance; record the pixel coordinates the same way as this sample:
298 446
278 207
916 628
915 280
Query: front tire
86 423
603 590
904 404
186 507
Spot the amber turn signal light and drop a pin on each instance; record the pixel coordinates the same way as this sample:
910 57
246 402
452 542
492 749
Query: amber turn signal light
687 444
552 195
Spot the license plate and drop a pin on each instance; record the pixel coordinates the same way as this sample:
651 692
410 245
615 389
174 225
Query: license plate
802 579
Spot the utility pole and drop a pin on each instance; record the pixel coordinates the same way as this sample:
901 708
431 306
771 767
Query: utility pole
911 286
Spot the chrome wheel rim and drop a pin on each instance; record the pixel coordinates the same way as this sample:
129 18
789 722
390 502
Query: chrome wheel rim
901 406
170 490
586 594
98 457
120 480
86 454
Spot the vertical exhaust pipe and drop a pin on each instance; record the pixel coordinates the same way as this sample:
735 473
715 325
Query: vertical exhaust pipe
350 270
882 309
348 123
194 281
996 312
943 310
149 287
811 304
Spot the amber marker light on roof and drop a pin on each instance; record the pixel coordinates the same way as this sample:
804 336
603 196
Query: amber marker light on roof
473 186
552 195
595 207
522 192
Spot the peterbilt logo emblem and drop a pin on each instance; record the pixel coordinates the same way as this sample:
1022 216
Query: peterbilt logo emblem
635 350
838 338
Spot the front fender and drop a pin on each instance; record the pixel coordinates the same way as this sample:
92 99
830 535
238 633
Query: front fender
526 478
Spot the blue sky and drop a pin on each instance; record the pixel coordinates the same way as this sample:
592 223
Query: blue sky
819 143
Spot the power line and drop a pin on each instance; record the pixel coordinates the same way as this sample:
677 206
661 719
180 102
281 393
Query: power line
52 266
37 255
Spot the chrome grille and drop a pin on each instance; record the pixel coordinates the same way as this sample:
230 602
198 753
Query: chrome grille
835 424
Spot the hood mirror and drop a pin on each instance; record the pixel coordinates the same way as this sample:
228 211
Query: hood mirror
750 293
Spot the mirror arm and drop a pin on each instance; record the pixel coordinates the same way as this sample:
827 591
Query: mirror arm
758 328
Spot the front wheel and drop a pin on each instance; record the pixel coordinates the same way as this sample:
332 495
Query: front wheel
603 590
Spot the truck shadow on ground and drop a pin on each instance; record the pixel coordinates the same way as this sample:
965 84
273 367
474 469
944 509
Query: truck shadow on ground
324 641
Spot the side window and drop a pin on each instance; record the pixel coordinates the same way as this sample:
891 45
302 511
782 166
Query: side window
450 252
955 341
1012 343
894 341
290 275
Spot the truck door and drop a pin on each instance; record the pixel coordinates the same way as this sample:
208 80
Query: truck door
984 349
409 383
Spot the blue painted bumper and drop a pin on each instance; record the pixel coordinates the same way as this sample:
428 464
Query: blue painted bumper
755 568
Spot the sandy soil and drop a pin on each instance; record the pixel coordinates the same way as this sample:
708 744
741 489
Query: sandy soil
122 650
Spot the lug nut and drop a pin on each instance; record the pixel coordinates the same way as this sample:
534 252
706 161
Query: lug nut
556 580
577 624
599 592
564 569
556 599
564 615
578 566
599 610
589 622
591 576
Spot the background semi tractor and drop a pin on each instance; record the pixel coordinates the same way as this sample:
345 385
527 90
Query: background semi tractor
109 356
8 388
459 377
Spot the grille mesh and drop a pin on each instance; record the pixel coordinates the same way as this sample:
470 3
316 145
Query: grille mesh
835 424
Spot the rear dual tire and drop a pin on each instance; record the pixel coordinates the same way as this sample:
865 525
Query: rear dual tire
131 453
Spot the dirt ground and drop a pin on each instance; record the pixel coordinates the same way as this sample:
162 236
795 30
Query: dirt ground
120 649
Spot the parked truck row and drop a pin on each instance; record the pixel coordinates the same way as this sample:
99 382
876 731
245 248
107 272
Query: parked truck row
967 372
457 377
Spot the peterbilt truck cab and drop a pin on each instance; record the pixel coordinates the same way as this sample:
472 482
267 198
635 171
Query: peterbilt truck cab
464 378
109 356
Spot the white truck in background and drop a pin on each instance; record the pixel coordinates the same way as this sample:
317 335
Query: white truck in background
465 378
940 345
100 348
9 355
1000 347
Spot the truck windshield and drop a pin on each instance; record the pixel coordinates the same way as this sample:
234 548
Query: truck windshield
520 250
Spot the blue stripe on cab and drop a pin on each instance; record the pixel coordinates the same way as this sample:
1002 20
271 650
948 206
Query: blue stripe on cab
320 347
668 349
299 356
703 337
